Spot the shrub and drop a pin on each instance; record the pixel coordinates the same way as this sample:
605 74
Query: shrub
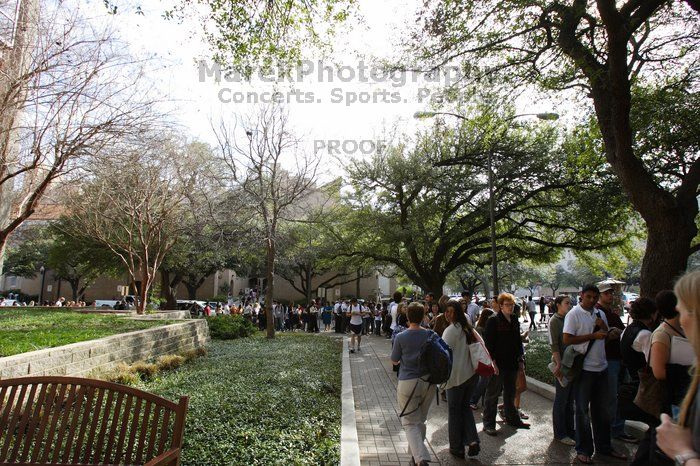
538 354
145 369
227 327
170 361
194 353
122 374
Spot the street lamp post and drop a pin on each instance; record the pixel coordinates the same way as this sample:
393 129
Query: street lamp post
489 164
42 269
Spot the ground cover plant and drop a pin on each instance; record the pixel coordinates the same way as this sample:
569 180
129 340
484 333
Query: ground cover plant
538 355
30 329
259 401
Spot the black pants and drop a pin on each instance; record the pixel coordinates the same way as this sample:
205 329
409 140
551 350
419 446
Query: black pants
504 381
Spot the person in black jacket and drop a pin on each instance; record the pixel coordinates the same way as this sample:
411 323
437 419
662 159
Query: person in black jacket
502 338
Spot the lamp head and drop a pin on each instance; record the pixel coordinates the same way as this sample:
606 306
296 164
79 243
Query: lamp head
424 114
548 116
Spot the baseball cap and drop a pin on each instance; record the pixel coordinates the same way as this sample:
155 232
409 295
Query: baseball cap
605 287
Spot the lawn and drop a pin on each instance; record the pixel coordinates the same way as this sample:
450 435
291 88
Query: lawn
259 401
29 329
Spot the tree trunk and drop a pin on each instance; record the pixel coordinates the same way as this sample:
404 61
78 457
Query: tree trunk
74 285
168 289
309 289
191 290
357 284
434 284
666 256
146 280
269 274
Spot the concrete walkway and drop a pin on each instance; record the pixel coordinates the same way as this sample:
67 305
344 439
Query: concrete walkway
381 439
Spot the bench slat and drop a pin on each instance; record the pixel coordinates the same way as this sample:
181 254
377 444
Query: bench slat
113 428
75 411
16 411
142 434
38 442
28 434
93 425
164 432
123 428
103 428
5 412
65 405
153 428
55 416
87 414
132 431
26 409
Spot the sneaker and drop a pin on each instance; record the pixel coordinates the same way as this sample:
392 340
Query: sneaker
352 350
523 415
491 432
616 454
519 425
457 453
474 449
567 441
473 406
627 438
502 414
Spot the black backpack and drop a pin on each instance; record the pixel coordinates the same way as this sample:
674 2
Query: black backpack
436 355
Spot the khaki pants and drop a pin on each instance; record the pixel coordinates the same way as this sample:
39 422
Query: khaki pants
414 423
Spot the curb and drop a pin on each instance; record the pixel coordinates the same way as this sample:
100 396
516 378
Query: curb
547 391
349 445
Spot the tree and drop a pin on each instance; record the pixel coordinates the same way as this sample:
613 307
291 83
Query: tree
603 49
79 260
309 260
555 277
27 252
267 34
133 205
276 194
428 204
74 92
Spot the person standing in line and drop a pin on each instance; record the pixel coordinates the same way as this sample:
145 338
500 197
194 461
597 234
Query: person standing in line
461 426
532 310
338 316
327 316
543 310
393 310
502 339
355 315
586 327
563 408
472 308
378 319
483 382
413 393
614 357
681 441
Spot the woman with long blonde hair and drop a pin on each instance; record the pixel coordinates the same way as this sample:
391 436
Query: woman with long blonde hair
681 441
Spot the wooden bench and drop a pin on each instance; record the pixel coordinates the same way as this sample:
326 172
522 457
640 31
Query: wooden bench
76 421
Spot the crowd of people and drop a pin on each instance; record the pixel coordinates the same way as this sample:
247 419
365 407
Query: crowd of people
606 372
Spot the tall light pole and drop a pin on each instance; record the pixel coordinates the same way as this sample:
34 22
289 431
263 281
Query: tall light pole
42 269
489 164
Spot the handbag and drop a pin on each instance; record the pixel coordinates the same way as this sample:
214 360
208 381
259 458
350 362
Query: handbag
481 360
651 394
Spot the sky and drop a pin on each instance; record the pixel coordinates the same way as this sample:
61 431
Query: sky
338 116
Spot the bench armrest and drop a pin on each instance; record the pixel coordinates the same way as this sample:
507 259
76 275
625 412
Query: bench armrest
164 458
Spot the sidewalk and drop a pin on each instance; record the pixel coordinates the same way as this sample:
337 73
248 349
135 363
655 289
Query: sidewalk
382 441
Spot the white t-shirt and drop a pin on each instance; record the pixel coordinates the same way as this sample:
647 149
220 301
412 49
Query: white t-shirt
393 309
579 321
355 315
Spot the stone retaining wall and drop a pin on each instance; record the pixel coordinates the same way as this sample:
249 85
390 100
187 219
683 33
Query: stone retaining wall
84 357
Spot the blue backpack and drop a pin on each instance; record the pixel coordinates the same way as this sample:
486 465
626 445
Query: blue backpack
436 355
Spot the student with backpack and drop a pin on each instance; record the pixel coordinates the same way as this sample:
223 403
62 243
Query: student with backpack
421 356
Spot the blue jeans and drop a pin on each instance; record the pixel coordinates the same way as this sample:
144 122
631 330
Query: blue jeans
460 418
592 389
563 411
618 423
480 390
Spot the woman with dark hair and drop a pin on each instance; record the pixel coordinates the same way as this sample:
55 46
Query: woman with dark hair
667 334
483 382
461 426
